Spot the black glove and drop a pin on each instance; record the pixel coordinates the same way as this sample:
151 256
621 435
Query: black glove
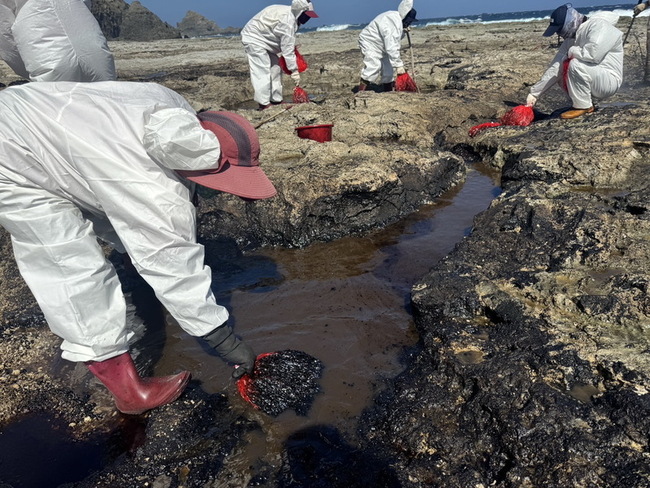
231 349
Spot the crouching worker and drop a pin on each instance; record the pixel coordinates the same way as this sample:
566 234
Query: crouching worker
380 43
589 63
119 161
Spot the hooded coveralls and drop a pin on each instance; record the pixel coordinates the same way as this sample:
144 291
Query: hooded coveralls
82 160
271 33
380 44
596 68
54 40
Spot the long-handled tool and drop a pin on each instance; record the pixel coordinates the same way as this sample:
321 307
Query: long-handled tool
408 36
629 29
269 119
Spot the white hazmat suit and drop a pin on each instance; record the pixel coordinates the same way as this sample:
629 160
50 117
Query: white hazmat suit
54 40
271 33
380 43
78 160
596 68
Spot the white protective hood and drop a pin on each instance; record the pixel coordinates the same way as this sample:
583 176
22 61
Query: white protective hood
300 6
404 8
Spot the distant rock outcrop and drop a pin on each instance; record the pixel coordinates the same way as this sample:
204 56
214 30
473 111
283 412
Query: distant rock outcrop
141 24
196 25
109 14
134 22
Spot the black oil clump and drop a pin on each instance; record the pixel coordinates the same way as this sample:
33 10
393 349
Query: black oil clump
282 380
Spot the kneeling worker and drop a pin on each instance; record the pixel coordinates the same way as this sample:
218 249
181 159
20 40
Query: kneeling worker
588 64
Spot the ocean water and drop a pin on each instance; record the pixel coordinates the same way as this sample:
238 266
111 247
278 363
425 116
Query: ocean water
623 10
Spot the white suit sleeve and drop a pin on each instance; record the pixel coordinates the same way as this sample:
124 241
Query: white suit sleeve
157 225
601 39
553 72
391 32
174 137
286 32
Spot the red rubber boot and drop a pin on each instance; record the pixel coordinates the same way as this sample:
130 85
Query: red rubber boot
134 395
363 85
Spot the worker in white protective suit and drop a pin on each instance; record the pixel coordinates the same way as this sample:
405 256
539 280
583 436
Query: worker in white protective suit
380 43
271 33
118 160
589 63
54 40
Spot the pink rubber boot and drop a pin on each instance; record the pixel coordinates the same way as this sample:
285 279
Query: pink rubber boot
134 395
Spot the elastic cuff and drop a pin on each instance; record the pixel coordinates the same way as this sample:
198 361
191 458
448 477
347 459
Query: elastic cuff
219 335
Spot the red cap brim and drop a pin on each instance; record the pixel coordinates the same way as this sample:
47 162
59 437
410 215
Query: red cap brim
310 13
243 181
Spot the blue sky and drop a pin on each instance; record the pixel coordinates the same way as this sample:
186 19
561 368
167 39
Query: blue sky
236 14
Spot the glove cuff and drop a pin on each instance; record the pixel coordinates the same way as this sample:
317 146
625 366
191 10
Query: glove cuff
218 336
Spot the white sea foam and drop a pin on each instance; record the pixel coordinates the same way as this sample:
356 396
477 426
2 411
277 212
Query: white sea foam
481 21
621 12
332 28
519 17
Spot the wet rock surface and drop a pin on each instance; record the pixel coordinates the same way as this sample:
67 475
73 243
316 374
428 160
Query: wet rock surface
533 367
320 457
183 444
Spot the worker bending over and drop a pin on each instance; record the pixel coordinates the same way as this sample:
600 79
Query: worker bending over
268 35
118 161
380 44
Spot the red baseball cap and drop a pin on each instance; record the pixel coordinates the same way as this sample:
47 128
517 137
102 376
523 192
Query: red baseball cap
239 169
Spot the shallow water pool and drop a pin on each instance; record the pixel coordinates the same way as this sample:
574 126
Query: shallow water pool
344 302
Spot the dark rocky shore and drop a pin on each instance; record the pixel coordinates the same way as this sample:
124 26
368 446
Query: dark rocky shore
534 359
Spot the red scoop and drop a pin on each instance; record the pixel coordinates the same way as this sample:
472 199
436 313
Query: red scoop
521 115
245 383
300 95
281 380
404 82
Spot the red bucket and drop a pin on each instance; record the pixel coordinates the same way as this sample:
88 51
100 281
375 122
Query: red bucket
318 133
